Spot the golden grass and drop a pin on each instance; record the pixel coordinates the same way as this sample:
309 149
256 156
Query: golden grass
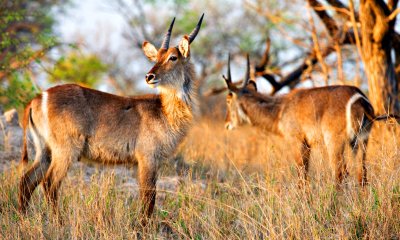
241 185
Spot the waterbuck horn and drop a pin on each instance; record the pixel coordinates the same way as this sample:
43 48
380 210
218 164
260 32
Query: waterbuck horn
247 75
193 34
165 43
228 79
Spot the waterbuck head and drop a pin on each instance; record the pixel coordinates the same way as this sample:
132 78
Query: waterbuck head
171 63
235 114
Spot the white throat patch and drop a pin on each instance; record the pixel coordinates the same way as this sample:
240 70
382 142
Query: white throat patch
242 115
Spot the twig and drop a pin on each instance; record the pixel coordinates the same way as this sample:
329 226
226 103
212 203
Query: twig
317 48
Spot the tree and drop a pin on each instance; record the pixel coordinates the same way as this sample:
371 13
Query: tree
377 31
25 36
25 33
371 30
78 68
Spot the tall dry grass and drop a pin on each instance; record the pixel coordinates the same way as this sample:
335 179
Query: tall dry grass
240 185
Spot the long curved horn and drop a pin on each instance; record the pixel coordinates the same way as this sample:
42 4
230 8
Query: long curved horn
165 43
193 34
228 79
247 75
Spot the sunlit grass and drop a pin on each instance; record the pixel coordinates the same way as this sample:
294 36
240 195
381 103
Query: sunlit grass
239 185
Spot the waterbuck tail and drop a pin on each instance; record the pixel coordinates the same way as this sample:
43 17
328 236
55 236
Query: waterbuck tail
25 122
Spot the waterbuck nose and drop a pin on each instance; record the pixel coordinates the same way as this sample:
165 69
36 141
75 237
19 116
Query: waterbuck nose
150 76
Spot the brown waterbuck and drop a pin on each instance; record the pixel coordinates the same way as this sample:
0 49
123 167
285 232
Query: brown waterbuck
332 115
69 122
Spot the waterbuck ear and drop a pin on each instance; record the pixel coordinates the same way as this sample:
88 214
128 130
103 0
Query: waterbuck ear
184 47
150 51
252 85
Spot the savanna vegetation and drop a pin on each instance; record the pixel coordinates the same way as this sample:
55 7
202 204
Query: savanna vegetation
239 184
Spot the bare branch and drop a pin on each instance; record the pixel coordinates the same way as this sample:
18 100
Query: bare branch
328 21
317 48
216 91
336 4
23 26
265 58
271 79
339 7
381 26
380 4
392 4
355 29
343 37
339 63
293 78
16 64
393 15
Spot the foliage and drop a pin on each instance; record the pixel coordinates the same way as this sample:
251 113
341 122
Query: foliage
25 30
78 68
18 91
25 36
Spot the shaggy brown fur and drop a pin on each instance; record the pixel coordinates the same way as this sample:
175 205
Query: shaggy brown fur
333 115
68 122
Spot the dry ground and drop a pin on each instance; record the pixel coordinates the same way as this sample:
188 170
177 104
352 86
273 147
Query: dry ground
239 185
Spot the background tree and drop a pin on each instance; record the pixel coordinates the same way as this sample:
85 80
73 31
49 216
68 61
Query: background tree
25 36
377 32
371 33
26 33
30 49
291 43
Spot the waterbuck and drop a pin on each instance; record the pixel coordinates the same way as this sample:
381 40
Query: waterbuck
332 115
68 122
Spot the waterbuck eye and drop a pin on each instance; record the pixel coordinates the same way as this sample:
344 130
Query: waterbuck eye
172 58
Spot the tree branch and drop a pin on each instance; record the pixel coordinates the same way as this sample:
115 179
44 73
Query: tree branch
216 91
265 58
382 5
381 26
337 4
23 26
392 4
393 15
16 64
339 38
293 78
328 21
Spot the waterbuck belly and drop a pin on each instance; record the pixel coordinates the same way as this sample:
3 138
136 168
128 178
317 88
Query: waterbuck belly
117 153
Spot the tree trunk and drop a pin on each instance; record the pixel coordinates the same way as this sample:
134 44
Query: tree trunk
377 45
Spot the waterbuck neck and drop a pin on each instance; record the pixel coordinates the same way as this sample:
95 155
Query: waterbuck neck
263 111
180 104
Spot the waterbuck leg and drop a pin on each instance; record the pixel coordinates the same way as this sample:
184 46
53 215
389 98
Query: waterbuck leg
147 176
362 170
33 177
61 161
336 156
360 145
305 154
302 158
